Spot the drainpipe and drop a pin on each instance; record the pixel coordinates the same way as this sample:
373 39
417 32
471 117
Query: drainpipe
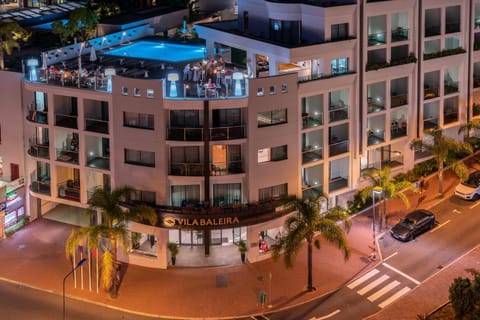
419 66
469 62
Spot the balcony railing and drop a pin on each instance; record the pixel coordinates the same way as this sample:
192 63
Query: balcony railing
95 125
186 169
38 116
375 137
312 120
185 134
232 167
227 133
42 187
97 161
339 147
398 132
66 121
69 190
39 150
430 123
398 100
69 156
312 154
377 38
311 190
450 116
337 113
337 183
399 34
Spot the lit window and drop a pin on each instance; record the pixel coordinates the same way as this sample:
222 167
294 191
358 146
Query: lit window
125 91
260 92
150 93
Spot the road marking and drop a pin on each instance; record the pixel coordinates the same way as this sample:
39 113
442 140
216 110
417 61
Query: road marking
384 290
401 273
327 316
390 256
456 211
439 226
476 204
373 285
362 279
394 297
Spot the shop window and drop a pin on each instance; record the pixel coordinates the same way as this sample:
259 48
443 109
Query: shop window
124 91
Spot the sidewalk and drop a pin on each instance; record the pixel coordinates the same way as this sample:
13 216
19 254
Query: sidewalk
35 257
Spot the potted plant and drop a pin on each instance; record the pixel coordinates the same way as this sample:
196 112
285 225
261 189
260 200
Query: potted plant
242 248
173 247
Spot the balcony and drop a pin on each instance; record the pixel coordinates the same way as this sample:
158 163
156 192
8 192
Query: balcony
430 122
96 125
310 191
66 121
397 131
69 190
38 116
375 137
338 112
232 167
186 169
337 183
41 186
337 147
377 38
399 34
312 154
68 156
312 120
398 100
227 133
97 161
185 134
39 150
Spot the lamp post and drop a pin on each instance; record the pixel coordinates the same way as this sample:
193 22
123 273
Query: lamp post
79 264
375 191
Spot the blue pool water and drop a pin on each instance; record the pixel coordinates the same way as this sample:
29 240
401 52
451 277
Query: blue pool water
169 52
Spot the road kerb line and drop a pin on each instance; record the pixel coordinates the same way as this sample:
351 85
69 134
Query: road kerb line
331 314
476 204
390 256
439 226
401 273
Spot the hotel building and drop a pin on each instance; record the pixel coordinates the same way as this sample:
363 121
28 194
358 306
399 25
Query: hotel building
307 96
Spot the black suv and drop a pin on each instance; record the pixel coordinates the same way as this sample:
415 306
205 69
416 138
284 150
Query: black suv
414 223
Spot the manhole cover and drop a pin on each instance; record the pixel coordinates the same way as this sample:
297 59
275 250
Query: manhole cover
221 281
22 246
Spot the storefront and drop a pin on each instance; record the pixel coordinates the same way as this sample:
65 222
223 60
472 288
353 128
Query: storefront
12 203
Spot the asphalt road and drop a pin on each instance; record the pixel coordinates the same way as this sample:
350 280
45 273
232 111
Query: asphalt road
405 266
19 302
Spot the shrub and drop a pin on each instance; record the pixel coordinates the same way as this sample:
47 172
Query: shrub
464 294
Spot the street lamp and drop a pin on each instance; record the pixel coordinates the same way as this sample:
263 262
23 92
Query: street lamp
375 191
79 264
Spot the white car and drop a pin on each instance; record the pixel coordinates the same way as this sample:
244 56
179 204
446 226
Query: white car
470 188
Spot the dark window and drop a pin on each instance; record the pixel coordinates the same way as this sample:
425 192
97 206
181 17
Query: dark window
339 31
147 197
274 192
140 158
138 120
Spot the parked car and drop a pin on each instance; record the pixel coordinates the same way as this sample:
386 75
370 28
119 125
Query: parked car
413 224
470 188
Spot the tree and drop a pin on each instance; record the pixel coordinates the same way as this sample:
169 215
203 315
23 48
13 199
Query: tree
469 126
11 34
464 295
81 24
111 231
304 224
444 150
391 189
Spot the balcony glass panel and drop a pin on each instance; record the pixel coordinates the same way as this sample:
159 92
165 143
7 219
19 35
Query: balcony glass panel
69 156
476 41
94 125
227 133
338 105
432 22
312 111
450 111
38 116
185 134
338 177
452 43
452 19
451 80
66 121
376 97
399 34
69 190
186 169
312 180
377 28
98 161
431 115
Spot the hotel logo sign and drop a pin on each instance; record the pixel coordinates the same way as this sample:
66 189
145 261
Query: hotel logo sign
170 221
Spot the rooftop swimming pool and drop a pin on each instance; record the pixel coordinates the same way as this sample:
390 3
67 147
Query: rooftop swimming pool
161 51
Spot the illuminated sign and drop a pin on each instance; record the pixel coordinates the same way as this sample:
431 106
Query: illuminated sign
171 221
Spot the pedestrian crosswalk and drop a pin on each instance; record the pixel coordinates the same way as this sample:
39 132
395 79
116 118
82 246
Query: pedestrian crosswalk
379 287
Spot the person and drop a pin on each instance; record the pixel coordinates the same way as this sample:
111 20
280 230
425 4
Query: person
186 70
421 184
264 247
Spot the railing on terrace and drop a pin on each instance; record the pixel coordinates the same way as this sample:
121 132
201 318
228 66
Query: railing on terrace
227 133
337 113
313 77
186 169
66 121
312 154
96 125
42 187
191 90
399 34
185 134
312 120
337 148
65 155
377 38
38 116
39 150
69 190
232 167
98 161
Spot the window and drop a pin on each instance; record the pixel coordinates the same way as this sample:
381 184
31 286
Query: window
271 118
136 92
273 90
138 120
284 88
124 91
150 93
185 195
260 92
339 66
272 154
274 192
147 197
140 158
339 31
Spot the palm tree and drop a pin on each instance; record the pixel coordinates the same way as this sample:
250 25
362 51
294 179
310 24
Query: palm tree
11 33
304 224
111 231
469 126
391 189
444 150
